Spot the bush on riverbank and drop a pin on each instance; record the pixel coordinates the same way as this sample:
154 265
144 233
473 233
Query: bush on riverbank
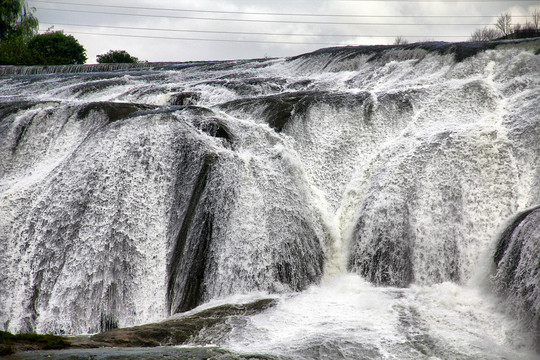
9 342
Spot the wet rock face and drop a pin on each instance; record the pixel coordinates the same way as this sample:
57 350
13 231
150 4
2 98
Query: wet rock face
113 111
278 111
184 99
517 278
385 261
188 262
136 342
176 331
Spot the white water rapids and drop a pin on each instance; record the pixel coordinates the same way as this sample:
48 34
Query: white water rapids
363 190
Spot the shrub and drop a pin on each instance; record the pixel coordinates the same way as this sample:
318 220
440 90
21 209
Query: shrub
115 57
6 350
485 34
46 341
6 337
400 40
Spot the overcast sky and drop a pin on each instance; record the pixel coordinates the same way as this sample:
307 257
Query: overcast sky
185 30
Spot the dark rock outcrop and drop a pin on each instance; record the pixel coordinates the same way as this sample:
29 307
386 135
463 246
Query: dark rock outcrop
184 99
188 261
113 111
517 278
174 331
279 110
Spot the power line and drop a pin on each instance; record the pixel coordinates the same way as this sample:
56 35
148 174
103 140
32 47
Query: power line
231 32
264 21
268 13
250 41
206 31
204 39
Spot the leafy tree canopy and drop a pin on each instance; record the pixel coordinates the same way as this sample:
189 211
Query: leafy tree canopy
116 56
16 20
56 48
17 26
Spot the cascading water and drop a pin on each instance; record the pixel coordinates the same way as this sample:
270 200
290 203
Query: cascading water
364 188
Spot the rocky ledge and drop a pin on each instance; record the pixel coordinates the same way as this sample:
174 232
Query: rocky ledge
153 341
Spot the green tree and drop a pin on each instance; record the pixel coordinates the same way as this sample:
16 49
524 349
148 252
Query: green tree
14 51
17 26
16 20
116 56
56 48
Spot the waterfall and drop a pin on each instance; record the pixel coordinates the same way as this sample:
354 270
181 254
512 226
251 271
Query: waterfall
357 183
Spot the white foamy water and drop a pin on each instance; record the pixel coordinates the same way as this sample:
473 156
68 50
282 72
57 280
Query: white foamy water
364 189
349 318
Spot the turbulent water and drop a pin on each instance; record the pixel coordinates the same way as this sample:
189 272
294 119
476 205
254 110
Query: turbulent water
385 196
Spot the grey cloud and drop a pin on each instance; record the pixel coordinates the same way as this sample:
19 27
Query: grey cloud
178 49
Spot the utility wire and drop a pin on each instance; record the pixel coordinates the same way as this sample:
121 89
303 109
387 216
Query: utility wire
268 13
204 31
251 41
203 39
232 32
264 21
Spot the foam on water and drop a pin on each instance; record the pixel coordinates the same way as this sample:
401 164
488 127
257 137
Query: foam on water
351 319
